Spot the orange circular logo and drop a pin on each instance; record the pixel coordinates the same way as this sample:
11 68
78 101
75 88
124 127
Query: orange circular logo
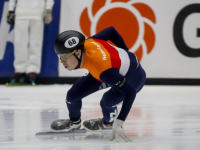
133 20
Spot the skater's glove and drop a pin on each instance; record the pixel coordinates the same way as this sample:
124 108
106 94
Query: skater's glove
11 17
118 131
48 16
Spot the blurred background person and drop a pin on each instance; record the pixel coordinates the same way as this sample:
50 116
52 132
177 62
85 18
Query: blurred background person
28 17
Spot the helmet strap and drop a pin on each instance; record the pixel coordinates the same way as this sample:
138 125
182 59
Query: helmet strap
79 60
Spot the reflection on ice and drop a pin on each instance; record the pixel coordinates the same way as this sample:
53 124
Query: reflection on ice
165 119
80 134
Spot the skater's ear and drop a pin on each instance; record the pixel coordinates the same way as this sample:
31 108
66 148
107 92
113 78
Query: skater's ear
78 53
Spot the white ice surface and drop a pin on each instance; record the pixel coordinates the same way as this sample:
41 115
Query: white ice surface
161 118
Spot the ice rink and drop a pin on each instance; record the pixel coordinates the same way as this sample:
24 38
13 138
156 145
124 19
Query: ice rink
161 118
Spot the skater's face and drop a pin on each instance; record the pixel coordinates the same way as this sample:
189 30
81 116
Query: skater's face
70 62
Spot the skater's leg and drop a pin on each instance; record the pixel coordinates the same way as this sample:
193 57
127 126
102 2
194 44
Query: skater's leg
83 87
109 103
114 97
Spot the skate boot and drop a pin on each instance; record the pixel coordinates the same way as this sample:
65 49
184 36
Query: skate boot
64 125
97 124
32 78
17 79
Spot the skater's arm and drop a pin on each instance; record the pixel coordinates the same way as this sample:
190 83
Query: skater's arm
116 80
111 34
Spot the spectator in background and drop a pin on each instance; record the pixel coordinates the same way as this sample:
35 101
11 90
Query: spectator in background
28 18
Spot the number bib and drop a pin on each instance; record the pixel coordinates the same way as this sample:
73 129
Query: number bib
71 42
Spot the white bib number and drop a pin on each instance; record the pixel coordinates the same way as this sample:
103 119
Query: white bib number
71 42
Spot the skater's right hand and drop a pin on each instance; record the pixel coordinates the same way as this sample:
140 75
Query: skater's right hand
11 18
118 131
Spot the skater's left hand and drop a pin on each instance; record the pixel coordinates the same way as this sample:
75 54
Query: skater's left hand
118 131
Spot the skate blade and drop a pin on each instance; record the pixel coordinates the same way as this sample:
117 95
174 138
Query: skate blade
74 134
51 133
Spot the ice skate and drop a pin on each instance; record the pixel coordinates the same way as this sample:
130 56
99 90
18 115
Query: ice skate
32 78
64 125
96 124
17 79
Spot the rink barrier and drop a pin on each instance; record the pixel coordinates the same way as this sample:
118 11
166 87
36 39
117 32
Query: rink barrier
71 80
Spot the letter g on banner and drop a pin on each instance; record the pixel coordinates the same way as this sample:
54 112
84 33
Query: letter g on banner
178 31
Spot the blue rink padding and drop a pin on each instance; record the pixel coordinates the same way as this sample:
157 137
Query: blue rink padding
49 58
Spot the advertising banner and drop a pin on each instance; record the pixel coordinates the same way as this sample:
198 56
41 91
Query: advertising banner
165 35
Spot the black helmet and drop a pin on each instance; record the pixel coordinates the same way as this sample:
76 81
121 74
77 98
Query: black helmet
67 41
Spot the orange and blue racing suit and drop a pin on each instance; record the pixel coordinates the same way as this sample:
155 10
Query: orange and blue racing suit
108 66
